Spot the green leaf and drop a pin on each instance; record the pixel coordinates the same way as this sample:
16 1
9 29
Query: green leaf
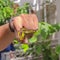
38 49
25 47
56 27
16 42
33 39
57 49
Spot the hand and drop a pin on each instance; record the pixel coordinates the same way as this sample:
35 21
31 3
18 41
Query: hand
28 21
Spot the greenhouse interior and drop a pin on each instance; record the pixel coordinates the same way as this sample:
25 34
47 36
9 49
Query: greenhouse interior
29 30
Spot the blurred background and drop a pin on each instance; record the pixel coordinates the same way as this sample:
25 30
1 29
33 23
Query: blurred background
47 46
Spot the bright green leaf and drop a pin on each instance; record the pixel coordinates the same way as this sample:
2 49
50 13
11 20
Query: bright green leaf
25 47
33 39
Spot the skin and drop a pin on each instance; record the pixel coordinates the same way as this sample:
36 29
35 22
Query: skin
28 21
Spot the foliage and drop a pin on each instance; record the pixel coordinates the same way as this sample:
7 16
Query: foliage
25 47
6 11
24 9
4 3
57 49
44 31
43 45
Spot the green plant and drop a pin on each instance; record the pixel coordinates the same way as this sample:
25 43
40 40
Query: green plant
40 42
24 9
43 45
6 11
